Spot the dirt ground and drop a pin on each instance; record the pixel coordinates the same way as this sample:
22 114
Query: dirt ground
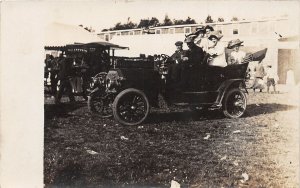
260 149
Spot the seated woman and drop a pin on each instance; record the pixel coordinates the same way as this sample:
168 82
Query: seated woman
236 56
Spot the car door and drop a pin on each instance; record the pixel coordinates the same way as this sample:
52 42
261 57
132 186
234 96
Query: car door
203 84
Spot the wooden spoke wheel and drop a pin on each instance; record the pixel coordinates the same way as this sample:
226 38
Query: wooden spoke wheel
100 106
234 103
131 107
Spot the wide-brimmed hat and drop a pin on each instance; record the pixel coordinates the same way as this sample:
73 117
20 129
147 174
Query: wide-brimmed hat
178 43
209 27
233 43
215 34
189 39
200 28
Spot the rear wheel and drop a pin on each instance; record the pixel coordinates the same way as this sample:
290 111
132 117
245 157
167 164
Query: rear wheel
131 107
234 103
100 106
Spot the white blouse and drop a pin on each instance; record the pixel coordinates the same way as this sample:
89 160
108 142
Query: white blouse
238 57
219 51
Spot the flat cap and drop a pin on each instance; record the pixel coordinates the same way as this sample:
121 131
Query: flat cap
178 43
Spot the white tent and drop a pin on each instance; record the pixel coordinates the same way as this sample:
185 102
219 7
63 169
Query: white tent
58 34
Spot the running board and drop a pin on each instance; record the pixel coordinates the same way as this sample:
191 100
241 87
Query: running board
181 104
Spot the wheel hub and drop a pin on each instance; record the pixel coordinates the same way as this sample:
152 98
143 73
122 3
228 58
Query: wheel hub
237 103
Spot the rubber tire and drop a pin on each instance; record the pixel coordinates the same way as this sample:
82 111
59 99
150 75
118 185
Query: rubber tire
93 110
117 99
231 91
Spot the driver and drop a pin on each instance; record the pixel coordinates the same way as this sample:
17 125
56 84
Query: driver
193 56
177 56
174 69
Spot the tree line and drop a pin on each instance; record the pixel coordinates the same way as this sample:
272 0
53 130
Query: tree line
154 22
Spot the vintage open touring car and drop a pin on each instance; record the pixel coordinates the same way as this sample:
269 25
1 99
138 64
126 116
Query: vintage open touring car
128 91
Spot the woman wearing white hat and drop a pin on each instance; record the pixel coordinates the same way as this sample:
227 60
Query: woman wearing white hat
236 56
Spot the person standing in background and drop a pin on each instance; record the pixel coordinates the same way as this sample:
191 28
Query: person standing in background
85 77
55 67
64 75
258 77
272 78
47 67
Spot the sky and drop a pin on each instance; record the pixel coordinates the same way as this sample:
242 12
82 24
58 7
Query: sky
105 14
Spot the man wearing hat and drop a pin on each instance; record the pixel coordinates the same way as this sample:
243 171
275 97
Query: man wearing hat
236 56
216 50
177 56
174 69
195 54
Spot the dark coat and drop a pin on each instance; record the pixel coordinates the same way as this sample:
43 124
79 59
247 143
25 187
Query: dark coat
195 55
66 71
177 55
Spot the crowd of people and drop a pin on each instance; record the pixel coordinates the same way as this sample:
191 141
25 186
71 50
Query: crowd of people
204 47
72 71
69 71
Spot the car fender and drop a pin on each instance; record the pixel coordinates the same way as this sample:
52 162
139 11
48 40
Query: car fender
225 86
95 92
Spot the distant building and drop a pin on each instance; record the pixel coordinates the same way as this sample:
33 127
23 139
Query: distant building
279 35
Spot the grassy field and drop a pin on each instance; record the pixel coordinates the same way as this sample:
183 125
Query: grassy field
260 149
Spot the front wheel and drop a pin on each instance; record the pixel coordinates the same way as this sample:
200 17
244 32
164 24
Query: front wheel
131 107
234 103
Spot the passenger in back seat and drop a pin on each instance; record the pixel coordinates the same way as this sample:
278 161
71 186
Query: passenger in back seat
216 50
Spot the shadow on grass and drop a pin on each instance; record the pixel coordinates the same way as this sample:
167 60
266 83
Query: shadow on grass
184 116
69 176
252 110
259 109
61 110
